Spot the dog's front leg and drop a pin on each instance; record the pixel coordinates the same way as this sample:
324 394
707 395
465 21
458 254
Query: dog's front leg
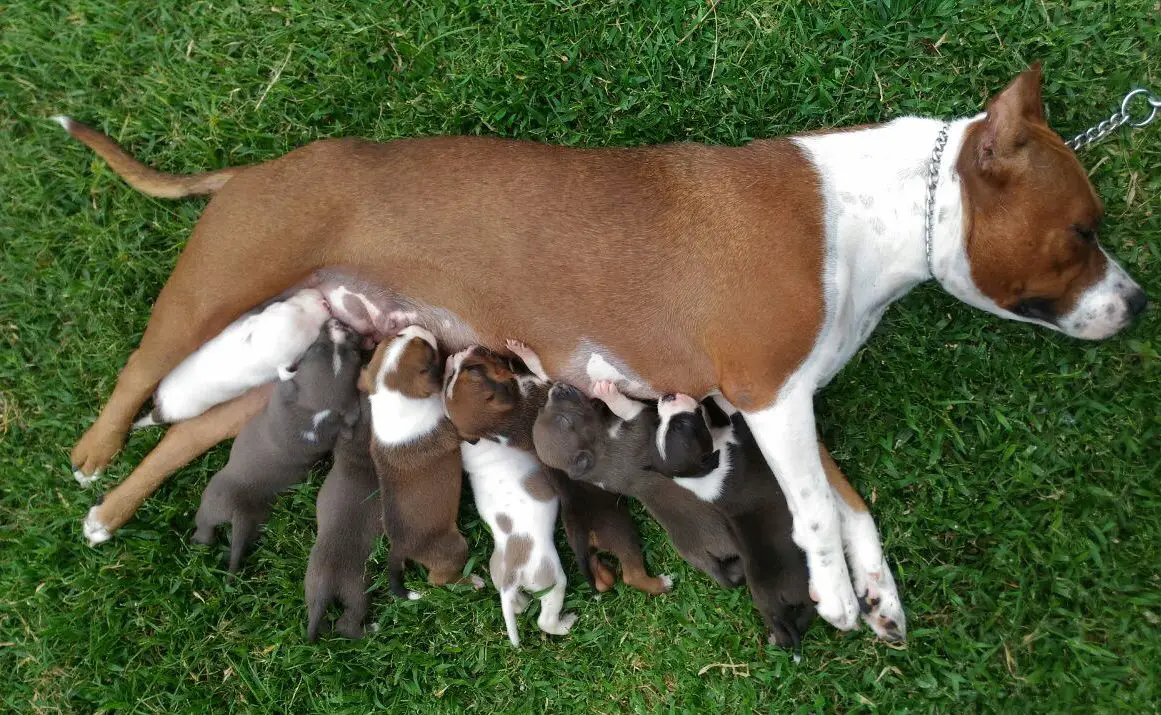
785 432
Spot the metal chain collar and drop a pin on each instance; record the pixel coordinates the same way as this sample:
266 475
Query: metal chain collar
932 182
1120 118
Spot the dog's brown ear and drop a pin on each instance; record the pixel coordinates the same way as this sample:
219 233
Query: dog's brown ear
1008 114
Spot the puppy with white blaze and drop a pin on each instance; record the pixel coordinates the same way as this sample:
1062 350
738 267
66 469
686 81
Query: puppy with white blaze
253 350
514 496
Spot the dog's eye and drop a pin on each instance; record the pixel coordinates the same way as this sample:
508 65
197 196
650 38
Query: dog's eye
1084 233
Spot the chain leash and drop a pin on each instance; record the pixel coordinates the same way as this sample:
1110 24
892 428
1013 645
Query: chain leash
1149 104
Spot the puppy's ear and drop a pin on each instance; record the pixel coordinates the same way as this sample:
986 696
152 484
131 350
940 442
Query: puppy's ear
711 461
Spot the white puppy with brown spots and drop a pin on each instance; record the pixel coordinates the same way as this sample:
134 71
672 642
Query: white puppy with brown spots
510 488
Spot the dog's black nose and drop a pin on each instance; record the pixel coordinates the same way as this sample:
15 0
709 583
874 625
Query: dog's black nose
1137 303
668 398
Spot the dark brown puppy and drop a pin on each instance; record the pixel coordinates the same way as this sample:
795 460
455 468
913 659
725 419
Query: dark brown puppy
277 449
496 398
349 518
416 450
590 443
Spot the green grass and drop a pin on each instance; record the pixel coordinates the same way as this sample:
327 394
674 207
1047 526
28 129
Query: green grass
1014 471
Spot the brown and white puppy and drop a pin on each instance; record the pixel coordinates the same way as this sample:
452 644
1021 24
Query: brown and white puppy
591 443
509 487
349 518
497 399
416 451
277 448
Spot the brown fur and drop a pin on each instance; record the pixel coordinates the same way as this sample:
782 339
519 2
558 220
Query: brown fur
420 481
1014 160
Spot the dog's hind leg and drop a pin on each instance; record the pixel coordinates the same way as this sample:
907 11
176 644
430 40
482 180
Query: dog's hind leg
184 442
552 603
510 605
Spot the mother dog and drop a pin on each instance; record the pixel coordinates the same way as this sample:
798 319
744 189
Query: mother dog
755 270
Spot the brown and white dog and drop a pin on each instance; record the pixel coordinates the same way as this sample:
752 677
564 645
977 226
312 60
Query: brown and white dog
801 245
417 457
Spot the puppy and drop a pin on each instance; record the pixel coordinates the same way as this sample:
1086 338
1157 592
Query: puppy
349 518
416 451
484 400
736 479
591 443
254 349
277 448
594 520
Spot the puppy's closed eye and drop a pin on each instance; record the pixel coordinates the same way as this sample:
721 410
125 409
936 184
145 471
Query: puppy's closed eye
582 462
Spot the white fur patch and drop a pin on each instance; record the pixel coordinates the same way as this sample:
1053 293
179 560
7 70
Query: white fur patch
65 122
397 419
95 532
1103 309
86 479
709 487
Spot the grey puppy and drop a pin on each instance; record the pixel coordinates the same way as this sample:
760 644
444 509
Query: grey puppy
349 517
590 443
276 449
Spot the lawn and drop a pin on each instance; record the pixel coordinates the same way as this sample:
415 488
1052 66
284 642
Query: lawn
1013 471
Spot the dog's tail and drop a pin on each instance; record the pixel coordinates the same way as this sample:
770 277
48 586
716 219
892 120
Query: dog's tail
508 608
141 177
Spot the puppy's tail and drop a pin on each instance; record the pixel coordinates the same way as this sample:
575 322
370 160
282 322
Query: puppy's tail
508 607
141 177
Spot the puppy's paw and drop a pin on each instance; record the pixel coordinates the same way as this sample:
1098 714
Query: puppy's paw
666 582
95 532
414 596
477 582
519 349
605 390
561 626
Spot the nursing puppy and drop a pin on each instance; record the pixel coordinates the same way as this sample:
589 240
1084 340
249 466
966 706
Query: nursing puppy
416 451
254 349
349 518
277 448
509 487
736 479
591 443
499 400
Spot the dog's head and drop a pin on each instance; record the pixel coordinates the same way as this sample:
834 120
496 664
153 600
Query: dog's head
569 433
407 363
325 376
683 445
481 393
1031 223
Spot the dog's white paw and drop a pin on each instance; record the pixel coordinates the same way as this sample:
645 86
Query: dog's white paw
413 596
880 605
477 582
666 581
837 604
95 532
86 479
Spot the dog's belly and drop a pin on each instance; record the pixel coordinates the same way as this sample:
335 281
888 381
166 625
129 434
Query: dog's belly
577 359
